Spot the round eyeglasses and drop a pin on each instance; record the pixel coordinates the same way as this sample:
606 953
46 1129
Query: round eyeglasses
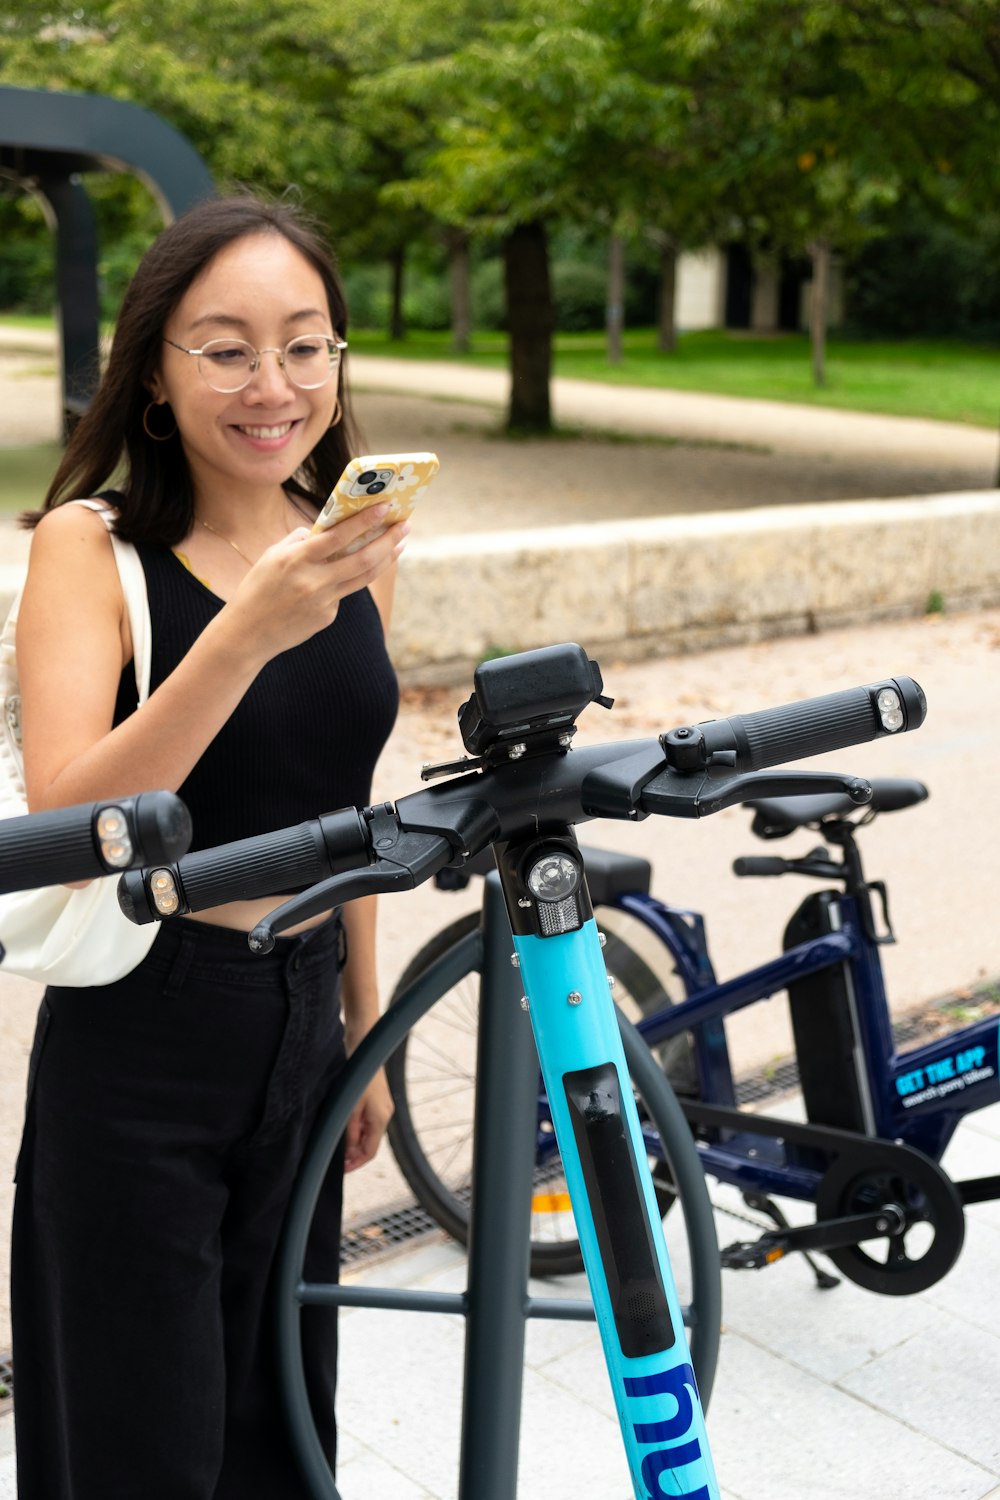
229 365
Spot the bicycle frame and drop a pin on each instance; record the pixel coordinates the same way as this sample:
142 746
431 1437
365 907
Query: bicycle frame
917 1097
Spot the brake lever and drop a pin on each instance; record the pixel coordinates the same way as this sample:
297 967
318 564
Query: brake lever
412 859
672 792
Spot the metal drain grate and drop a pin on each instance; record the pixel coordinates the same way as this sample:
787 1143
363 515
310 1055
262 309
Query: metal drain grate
362 1243
6 1379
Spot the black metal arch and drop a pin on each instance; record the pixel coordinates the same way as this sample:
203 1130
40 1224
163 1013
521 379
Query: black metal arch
46 141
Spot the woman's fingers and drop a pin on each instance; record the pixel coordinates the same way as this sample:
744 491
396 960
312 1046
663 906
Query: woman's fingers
354 569
295 589
367 1124
352 528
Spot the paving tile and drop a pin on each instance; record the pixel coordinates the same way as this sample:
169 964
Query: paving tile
785 1107
568 1448
826 1332
969 1291
986 1121
580 1371
781 1307
778 1432
399 1392
368 1477
973 1147
974 1152
348 1448
943 1383
548 1340
800 1369
418 1264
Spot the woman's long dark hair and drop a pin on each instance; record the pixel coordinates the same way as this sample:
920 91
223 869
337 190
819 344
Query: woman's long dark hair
109 442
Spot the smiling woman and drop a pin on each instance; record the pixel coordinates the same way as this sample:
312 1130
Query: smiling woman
168 1112
249 409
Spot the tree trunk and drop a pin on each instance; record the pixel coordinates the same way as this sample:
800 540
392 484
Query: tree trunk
615 316
460 289
666 338
530 322
818 305
397 267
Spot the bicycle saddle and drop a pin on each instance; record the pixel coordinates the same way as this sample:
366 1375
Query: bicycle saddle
776 817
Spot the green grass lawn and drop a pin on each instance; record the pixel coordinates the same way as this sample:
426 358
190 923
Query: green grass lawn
26 320
937 378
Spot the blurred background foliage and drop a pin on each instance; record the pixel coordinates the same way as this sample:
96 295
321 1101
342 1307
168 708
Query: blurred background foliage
489 166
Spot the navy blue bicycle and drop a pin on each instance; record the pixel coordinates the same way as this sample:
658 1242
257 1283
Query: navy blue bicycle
878 1120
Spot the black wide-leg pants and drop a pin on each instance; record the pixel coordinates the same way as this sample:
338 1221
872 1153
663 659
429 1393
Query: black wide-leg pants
167 1116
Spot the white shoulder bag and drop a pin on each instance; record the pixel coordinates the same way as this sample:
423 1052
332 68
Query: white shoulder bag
57 935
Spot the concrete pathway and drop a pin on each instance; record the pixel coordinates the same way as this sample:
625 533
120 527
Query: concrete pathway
647 411
710 453
820 1395
691 414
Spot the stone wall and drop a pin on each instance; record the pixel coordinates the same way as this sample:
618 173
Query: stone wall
688 582
684 582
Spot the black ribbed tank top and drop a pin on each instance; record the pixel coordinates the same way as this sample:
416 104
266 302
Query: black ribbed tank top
306 735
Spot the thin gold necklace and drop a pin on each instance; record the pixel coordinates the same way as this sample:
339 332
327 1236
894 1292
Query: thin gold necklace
226 539
231 543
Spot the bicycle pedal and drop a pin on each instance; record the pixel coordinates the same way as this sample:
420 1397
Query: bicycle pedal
750 1255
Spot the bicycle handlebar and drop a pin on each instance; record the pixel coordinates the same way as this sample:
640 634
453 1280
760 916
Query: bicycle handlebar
774 736
286 860
91 839
533 785
761 864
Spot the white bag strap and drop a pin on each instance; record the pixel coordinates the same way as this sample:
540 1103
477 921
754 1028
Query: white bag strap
133 580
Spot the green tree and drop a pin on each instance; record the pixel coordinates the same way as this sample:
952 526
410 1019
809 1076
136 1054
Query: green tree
544 123
790 124
841 108
266 101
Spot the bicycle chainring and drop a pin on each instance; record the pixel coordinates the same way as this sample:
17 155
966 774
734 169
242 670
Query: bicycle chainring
933 1231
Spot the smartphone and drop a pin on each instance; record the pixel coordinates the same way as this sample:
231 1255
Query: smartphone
397 477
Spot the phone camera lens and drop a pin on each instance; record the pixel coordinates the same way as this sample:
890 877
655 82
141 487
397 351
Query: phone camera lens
374 489
367 476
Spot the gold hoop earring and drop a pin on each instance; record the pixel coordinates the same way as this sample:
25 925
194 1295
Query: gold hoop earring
157 437
338 414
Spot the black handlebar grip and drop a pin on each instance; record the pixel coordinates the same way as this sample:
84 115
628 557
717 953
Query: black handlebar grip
759 864
269 864
66 844
775 736
47 848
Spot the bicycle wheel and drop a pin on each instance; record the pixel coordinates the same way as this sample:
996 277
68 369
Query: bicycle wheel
432 1079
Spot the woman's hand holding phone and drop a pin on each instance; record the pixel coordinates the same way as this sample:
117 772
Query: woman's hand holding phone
295 588
369 481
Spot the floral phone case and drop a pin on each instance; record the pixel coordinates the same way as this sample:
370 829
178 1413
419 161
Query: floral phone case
396 477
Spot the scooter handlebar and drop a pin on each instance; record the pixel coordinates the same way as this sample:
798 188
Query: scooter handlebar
793 731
